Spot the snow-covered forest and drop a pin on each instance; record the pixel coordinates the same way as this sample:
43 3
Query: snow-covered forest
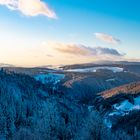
28 110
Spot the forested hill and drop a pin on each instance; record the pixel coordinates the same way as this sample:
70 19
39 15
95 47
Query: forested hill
20 98
28 110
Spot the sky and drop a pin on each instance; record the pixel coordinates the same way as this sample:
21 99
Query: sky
52 32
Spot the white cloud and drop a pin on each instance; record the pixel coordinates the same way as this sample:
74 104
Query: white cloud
29 7
107 38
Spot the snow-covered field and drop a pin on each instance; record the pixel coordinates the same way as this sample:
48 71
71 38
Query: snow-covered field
50 78
94 69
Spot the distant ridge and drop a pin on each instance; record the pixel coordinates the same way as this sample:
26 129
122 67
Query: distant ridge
6 65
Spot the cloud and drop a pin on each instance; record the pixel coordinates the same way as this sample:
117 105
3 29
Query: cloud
108 51
49 55
107 38
29 7
83 50
73 49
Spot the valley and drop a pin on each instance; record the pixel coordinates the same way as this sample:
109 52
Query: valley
58 100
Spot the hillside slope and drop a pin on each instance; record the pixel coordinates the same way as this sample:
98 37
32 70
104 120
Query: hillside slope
121 107
133 89
28 110
84 86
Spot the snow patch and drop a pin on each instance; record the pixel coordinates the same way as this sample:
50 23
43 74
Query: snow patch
110 80
128 106
124 106
137 100
121 109
94 69
108 123
90 108
50 78
114 113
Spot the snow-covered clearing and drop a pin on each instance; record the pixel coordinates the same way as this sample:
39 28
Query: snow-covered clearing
50 78
110 80
94 69
127 106
121 109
